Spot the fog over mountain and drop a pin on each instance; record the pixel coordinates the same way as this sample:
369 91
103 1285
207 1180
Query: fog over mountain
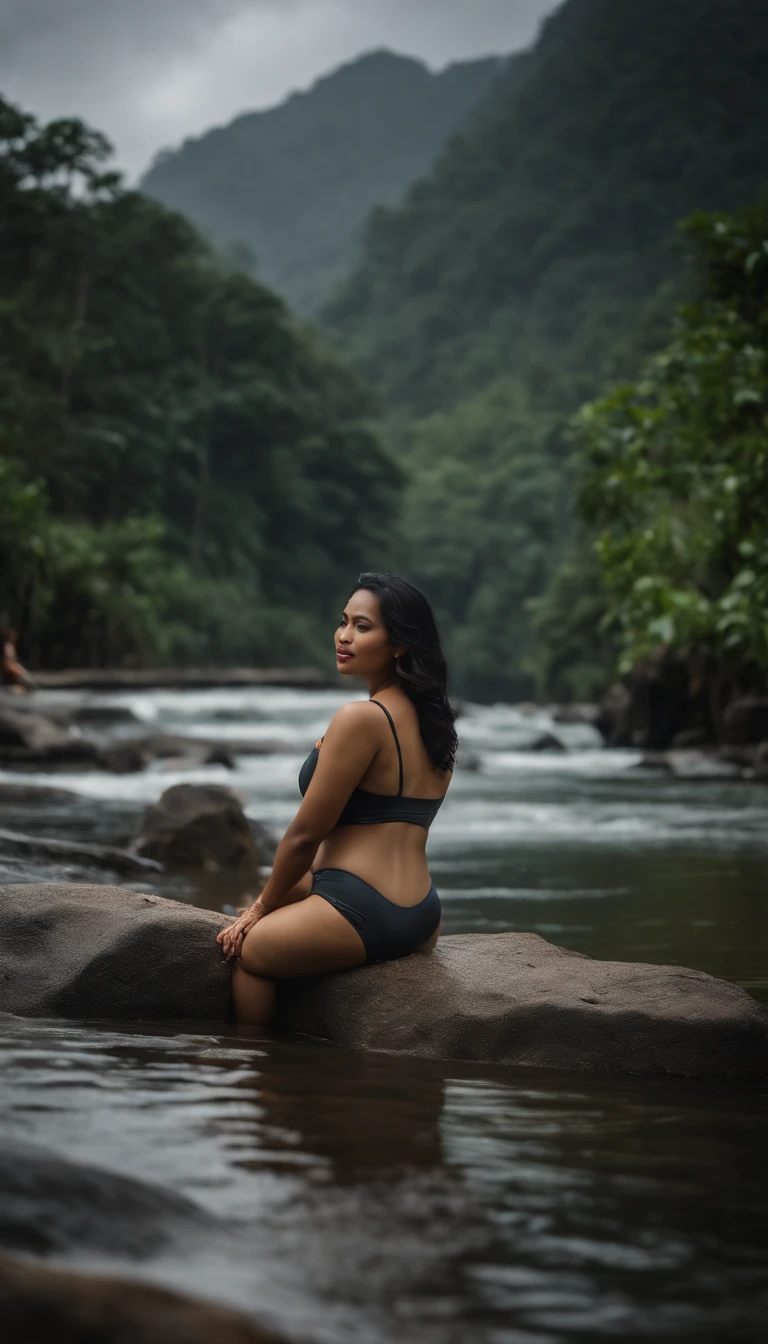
152 72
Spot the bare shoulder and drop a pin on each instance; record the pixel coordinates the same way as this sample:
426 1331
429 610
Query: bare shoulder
355 716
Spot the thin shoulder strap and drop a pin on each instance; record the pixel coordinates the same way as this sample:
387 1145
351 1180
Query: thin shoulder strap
397 742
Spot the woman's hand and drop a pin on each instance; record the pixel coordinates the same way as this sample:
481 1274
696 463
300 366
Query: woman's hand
233 936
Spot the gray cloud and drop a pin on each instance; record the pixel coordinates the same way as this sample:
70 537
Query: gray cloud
150 72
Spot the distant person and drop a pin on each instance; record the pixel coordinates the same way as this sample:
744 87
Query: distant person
350 883
13 675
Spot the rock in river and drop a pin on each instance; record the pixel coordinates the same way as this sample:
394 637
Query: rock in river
29 737
199 826
507 998
102 952
39 1304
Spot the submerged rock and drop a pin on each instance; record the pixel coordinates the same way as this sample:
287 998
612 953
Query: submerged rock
546 742
507 998
69 851
199 826
576 712
135 753
39 1304
51 1205
31 794
691 764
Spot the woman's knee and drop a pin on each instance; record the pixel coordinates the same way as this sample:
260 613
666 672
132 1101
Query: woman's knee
254 956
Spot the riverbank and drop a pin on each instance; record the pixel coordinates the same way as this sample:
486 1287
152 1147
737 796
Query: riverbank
187 678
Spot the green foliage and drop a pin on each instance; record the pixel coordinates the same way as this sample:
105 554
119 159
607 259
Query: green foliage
574 646
292 186
482 519
677 481
141 380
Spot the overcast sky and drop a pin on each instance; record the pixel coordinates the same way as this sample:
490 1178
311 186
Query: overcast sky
150 72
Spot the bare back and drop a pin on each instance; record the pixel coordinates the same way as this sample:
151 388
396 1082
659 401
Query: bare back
391 856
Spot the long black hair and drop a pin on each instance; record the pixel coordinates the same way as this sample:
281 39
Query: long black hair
422 670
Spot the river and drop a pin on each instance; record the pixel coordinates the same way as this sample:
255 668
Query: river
347 1197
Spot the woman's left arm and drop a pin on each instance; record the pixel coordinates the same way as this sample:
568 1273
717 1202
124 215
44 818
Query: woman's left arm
349 747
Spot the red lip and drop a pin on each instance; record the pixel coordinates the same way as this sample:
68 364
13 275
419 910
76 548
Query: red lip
340 653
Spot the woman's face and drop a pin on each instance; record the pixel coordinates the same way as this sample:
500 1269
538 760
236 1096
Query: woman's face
363 646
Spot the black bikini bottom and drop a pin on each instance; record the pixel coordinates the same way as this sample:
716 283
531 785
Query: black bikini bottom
387 930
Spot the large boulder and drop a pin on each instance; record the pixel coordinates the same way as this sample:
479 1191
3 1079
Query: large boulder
512 998
746 721
102 952
195 826
51 1205
508 998
665 695
34 737
39 1304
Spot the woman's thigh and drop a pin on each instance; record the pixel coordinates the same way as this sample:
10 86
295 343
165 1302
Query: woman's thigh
309 938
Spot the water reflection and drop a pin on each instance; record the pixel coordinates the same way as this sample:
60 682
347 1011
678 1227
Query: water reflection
350 1197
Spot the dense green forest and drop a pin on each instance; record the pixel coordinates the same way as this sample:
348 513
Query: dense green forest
187 473
293 185
184 472
540 261
676 469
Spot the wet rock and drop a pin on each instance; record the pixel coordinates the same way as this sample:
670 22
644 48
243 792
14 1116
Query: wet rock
691 764
33 731
27 737
266 840
123 758
746 721
512 998
52 1206
612 711
32 794
178 753
39 1304
654 760
578 712
71 950
199 826
169 746
470 761
546 742
104 716
108 857
665 694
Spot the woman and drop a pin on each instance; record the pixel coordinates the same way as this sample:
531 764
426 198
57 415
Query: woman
350 874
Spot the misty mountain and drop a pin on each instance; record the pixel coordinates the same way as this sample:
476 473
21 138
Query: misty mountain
294 184
545 229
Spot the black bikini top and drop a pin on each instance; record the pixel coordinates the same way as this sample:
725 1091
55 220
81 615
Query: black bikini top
364 808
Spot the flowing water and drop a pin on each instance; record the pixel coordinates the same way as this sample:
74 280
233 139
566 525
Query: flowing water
347 1197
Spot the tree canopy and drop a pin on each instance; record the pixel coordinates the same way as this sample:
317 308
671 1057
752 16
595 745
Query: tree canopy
155 401
676 466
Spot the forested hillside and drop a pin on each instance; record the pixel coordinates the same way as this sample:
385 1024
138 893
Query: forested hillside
184 473
294 184
540 259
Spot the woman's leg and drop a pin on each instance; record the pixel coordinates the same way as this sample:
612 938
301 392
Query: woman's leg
308 938
254 997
